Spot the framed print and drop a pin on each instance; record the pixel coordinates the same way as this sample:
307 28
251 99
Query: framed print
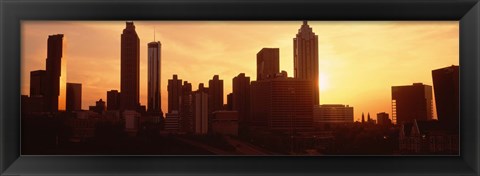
247 88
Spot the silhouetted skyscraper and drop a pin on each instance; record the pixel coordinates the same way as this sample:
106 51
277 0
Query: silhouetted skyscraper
241 97
305 58
186 116
74 97
130 68
174 88
38 83
154 77
200 112
412 102
446 83
215 95
268 63
56 73
113 100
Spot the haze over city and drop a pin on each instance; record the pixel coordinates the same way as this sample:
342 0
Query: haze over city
358 61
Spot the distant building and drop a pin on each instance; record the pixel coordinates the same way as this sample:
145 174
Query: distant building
38 83
172 122
446 83
56 75
412 102
229 105
428 137
283 104
113 100
174 93
332 113
186 115
130 68
200 112
383 119
215 95
99 107
305 58
268 63
154 77
74 97
225 122
241 97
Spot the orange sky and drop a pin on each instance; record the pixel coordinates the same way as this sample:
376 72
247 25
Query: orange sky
359 61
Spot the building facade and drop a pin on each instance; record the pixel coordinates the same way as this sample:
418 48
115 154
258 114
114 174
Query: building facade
412 102
200 112
332 113
130 68
74 97
241 97
174 88
445 84
113 100
56 74
154 77
268 63
215 95
305 58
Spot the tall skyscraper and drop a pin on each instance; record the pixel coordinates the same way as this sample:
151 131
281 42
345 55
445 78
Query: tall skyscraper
74 97
154 77
241 97
186 117
215 95
305 58
113 100
200 112
56 73
412 102
174 88
38 83
268 63
445 84
130 68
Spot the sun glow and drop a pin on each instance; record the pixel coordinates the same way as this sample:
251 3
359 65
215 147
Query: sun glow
324 83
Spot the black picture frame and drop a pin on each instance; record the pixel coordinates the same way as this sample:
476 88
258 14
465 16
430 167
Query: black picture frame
12 12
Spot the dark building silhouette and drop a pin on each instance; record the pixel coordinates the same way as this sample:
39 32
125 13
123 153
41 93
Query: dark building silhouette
215 95
241 97
282 104
154 77
332 114
186 116
130 68
229 105
383 119
200 112
305 58
412 102
74 97
174 93
99 107
428 137
56 74
38 83
268 63
445 84
202 88
113 100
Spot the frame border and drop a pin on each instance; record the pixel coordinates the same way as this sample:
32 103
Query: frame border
13 12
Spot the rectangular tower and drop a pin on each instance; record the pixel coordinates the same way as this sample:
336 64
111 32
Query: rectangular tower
154 77
130 68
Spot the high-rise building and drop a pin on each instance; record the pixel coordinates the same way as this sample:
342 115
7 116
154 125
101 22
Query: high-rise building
154 77
229 105
282 103
412 102
74 97
56 73
99 107
186 116
38 83
268 63
241 97
174 88
445 84
215 95
200 112
305 58
113 100
130 68
383 119
332 113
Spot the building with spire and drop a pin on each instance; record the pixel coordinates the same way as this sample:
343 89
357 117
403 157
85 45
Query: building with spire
305 58
154 77
130 68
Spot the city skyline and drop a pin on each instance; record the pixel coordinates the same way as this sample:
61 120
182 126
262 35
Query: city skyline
334 63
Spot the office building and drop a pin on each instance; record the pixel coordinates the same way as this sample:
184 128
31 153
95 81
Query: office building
268 63
130 68
56 73
113 100
174 88
305 58
412 102
241 97
154 77
445 84
332 113
200 112
74 97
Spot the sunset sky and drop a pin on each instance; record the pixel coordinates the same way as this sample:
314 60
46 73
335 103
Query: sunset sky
359 61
